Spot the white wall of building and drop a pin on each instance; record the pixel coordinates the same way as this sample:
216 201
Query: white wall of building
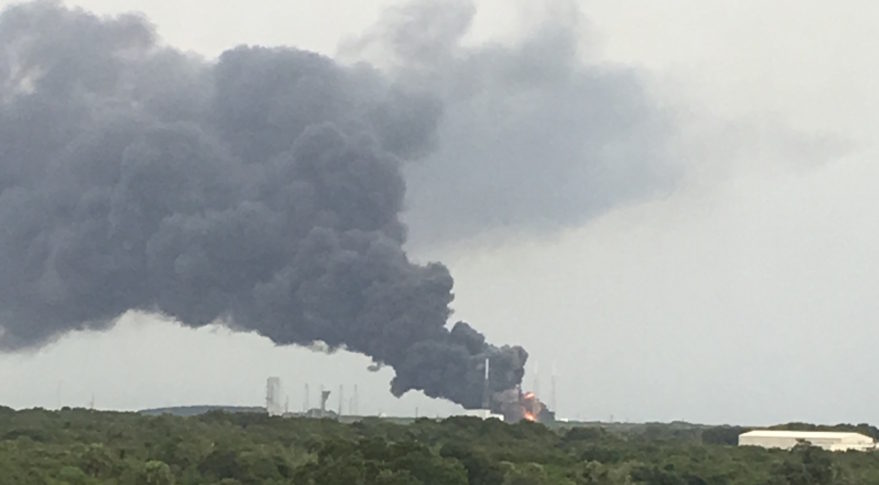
828 440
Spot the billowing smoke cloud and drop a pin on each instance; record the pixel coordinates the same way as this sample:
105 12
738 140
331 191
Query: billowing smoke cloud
547 137
262 190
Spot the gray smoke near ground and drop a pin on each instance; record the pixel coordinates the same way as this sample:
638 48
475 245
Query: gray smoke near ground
534 137
262 190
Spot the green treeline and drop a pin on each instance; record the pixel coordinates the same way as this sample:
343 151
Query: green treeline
90 447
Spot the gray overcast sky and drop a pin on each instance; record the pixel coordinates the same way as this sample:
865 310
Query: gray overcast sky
733 299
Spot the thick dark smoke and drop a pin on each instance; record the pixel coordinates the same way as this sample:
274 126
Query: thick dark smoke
262 190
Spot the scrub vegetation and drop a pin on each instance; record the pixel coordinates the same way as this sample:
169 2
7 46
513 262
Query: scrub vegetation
75 446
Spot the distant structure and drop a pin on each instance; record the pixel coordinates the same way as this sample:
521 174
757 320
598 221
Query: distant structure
486 389
322 412
274 404
482 414
352 406
341 398
828 440
324 397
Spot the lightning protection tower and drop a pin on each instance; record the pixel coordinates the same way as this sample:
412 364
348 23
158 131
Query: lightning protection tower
486 390
341 398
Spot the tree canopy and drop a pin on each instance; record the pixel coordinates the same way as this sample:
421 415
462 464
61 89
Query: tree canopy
75 446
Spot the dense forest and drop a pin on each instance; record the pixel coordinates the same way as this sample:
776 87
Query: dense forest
75 446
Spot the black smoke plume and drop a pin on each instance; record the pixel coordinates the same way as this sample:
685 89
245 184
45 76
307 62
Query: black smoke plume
262 189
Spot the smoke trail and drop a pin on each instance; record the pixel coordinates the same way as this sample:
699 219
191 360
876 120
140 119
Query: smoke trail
262 190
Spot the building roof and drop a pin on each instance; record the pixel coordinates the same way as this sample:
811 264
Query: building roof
772 433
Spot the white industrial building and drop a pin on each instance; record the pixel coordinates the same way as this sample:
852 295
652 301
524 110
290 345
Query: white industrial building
828 440
482 413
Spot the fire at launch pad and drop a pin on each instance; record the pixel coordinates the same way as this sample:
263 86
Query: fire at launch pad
516 405
513 404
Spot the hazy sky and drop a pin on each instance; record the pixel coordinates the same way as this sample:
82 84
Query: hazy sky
746 293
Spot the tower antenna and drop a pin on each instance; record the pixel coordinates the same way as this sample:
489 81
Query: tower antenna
486 397
341 398
306 406
354 409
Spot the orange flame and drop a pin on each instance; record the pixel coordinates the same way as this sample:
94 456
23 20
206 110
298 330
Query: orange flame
530 406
